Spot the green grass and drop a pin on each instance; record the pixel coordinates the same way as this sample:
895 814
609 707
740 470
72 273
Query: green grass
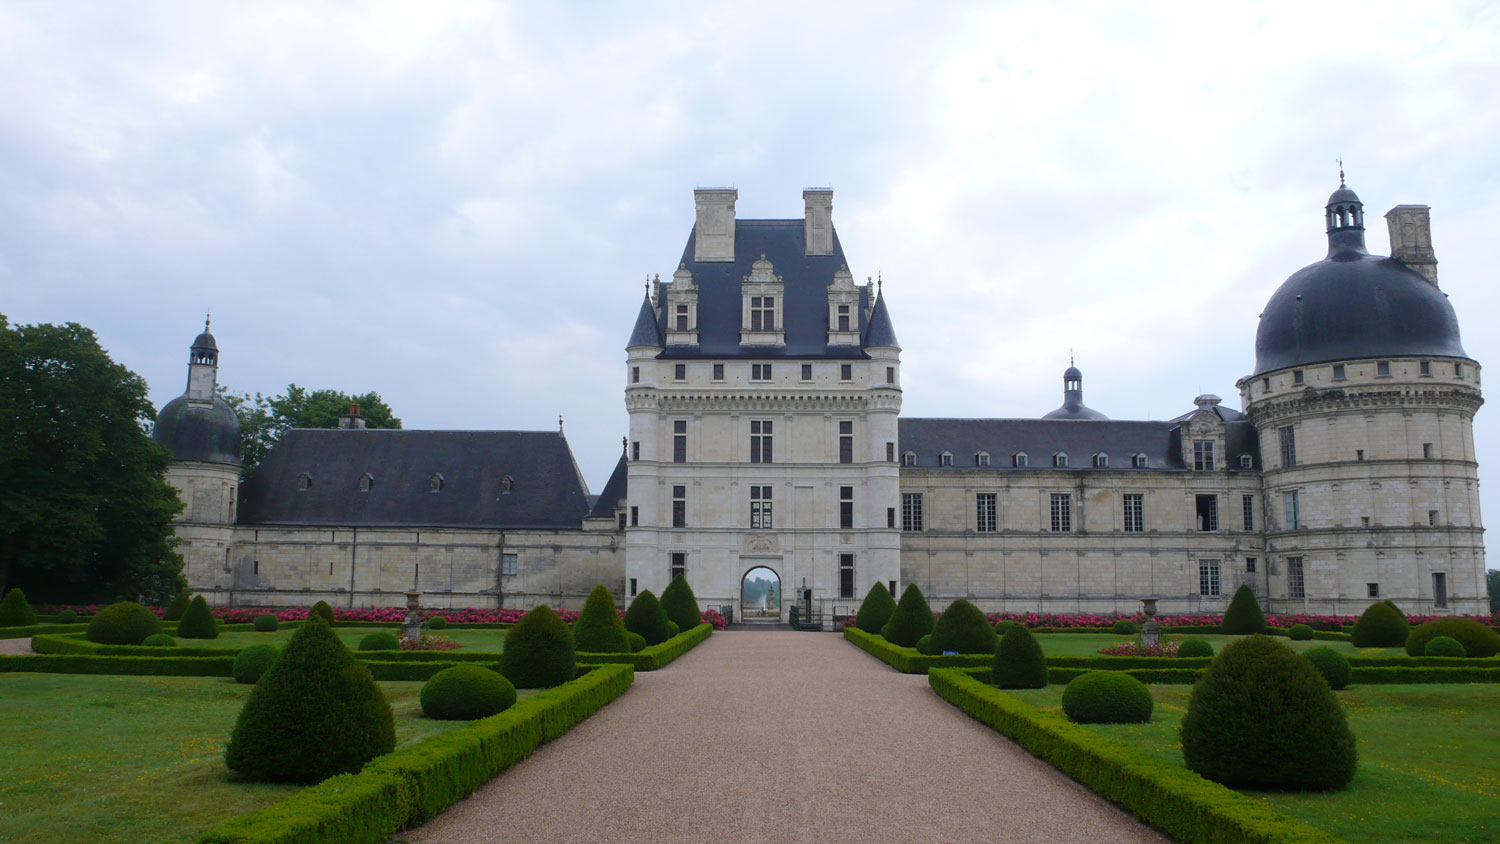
1088 644
131 759
472 640
1427 770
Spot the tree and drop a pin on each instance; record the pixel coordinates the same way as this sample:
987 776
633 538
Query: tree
85 511
1492 579
263 419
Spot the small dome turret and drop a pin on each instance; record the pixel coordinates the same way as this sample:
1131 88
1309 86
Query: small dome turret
198 425
1073 406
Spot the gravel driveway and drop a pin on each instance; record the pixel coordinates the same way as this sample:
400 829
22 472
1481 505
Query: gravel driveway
15 646
772 736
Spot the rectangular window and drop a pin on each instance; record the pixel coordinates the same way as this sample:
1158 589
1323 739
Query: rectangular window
890 517
1426 367
1372 590
1208 512
986 513
760 372
1249 565
846 575
760 507
679 565
635 375
1288 446
846 507
890 375
1383 369
1062 512
1248 506
1338 372
633 590
1426 451
1203 455
1296 587
1208 578
1439 589
1432 518
843 317
1296 376
846 372
762 313
1293 511
679 441
622 521
1135 512
911 511
1359 455
507 563
635 450
846 441
635 516
679 506
760 441
890 452
1458 370
806 372
682 318
679 372
718 372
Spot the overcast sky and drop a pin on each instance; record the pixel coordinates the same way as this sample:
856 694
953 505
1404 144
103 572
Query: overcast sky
456 204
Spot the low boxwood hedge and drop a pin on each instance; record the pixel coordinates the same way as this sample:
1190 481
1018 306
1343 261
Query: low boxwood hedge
37 629
655 656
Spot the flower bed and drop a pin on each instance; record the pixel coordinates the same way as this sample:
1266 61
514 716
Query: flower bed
1139 649
376 615
429 643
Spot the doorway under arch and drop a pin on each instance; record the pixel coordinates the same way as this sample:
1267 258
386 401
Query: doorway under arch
760 595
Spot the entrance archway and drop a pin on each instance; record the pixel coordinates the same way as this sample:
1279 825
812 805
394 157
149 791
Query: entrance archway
760 595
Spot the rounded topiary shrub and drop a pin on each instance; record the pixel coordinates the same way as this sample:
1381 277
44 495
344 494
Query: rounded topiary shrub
159 640
911 620
599 629
177 607
315 712
680 605
645 616
321 608
198 621
1299 633
1444 646
1263 717
437 622
266 623
1019 663
1381 625
1477 639
875 610
15 610
381 640
1195 647
466 692
1244 615
1002 627
637 642
672 629
65 617
924 646
1107 697
125 623
252 662
1332 665
539 651
1124 627
962 628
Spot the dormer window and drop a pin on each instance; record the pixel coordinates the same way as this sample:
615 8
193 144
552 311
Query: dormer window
1060 460
304 481
1139 461
506 485
435 483
945 459
681 308
982 458
1246 462
682 318
761 293
1101 461
843 317
1020 460
365 482
762 313
909 458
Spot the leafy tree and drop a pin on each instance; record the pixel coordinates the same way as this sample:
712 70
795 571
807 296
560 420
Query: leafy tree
1492 579
85 512
263 419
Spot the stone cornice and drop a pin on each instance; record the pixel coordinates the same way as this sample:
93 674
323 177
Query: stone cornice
768 401
1313 400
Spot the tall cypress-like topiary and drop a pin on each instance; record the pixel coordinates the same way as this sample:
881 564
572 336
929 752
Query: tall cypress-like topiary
15 611
911 620
645 616
321 608
875 610
599 628
1381 626
198 621
314 713
964 629
1263 717
680 604
539 651
178 606
1244 615
1019 662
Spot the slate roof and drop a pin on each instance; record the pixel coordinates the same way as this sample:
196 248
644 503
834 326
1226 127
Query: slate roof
614 492
195 431
880 332
646 331
547 493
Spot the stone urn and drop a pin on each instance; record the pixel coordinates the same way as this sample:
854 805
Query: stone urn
1150 630
411 629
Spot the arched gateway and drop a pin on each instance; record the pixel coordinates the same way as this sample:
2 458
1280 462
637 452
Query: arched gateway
760 595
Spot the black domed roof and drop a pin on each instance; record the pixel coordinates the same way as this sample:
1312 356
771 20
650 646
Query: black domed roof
209 433
205 342
1073 406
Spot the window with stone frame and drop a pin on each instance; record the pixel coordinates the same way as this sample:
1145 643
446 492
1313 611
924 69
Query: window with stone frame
760 441
909 458
1292 510
1140 461
846 372
1296 585
890 452
304 481
1246 461
1247 507
843 315
1101 461
846 507
945 458
678 566
911 512
435 483
846 441
679 506
760 372
986 512
1209 583
760 507
681 316
365 482
718 372
1207 512
1135 512
1020 460
807 372
1203 455
508 564
679 441
762 313
846 575
1062 512
1060 460
1288 437
982 458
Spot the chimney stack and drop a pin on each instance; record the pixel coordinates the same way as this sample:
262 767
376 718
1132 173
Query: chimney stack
817 228
352 419
714 238
1411 239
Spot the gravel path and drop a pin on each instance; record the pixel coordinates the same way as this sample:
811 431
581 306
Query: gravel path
15 646
769 736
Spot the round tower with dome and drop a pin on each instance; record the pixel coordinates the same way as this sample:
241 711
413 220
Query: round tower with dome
1364 399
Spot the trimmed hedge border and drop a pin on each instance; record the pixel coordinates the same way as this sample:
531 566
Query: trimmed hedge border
1168 797
1424 674
411 785
656 656
36 629
144 666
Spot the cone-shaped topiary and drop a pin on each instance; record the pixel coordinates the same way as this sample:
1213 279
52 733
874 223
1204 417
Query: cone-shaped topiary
1263 717
125 623
637 642
875 610
1444 646
1018 662
177 607
1299 633
15 611
539 651
911 621
1195 647
266 623
316 712
680 605
1244 615
1107 697
1381 626
1002 627
645 616
322 608
1332 665
252 662
198 621
1477 639
1124 627
466 692
380 640
159 640
599 629
964 629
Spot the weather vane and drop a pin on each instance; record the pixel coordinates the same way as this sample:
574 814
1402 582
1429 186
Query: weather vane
1341 171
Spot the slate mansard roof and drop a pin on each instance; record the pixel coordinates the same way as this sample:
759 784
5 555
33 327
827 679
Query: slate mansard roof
1161 442
614 492
547 492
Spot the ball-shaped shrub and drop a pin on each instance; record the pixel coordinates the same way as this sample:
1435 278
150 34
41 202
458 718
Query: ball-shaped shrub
1299 633
1002 627
911 621
381 640
198 621
539 651
1444 646
875 610
1124 627
962 628
159 640
1107 697
15 610
1332 665
680 605
466 692
1018 662
924 646
672 629
1262 716
316 712
437 622
322 608
1477 639
599 629
1244 615
637 642
645 616
66 617
1381 625
252 662
125 623
1195 647
178 606
266 623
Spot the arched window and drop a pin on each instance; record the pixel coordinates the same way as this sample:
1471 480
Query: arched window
506 485
1246 462
304 481
982 458
365 482
1139 461
1101 461
1020 460
909 458
435 483
1060 460
945 459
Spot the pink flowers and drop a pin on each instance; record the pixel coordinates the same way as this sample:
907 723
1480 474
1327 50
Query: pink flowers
429 643
712 617
1138 649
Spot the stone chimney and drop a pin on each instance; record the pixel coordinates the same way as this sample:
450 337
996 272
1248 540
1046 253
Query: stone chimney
352 419
817 228
1411 239
714 240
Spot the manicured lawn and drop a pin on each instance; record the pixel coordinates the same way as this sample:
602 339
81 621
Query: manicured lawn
1427 761
472 640
1088 644
132 759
